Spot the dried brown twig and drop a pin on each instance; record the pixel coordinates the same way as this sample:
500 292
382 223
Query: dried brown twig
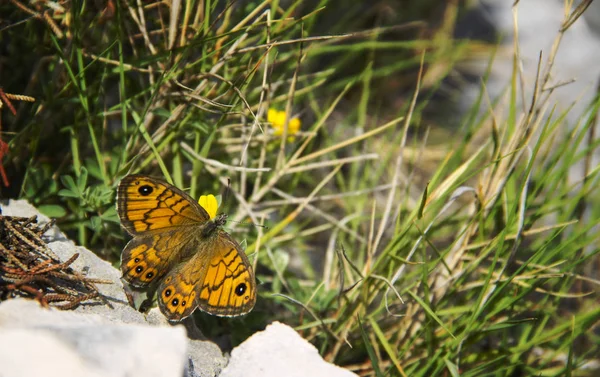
5 100
28 268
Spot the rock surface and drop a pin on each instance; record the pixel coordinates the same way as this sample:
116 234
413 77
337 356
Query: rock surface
41 342
268 353
97 340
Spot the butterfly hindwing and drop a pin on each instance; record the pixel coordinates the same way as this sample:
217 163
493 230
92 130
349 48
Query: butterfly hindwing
229 287
220 283
147 258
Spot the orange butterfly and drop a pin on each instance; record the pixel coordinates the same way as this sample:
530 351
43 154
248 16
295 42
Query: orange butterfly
177 249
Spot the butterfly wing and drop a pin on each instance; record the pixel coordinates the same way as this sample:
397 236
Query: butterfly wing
147 258
218 279
148 205
163 220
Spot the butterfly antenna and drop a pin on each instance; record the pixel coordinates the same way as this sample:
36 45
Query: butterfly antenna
227 189
226 193
249 223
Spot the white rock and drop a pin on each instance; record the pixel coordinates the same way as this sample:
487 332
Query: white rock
35 341
279 351
40 355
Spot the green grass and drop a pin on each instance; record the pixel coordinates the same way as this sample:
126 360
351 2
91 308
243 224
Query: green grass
397 247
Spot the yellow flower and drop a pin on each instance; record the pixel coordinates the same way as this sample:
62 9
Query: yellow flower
277 120
210 204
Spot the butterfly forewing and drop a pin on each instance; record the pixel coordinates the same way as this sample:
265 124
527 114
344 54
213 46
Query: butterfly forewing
148 205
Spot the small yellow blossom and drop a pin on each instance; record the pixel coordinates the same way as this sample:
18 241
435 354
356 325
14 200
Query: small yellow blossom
210 204
277 120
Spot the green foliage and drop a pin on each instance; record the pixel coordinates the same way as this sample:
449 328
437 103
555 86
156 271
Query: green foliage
395 245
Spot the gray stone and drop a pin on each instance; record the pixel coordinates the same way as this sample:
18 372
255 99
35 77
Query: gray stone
203 363
279 351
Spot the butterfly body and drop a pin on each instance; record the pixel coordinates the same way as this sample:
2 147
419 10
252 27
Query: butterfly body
180 252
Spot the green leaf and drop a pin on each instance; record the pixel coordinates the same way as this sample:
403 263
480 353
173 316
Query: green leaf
68 193
52 210
162 112
423 201
370 350
69 183
96 222
386 345
93 168
82 179
110 215
451 368
430 312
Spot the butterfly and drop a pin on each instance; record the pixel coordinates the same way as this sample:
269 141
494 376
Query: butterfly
179 252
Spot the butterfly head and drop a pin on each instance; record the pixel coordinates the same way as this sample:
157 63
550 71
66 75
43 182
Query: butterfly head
220 219
211 226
